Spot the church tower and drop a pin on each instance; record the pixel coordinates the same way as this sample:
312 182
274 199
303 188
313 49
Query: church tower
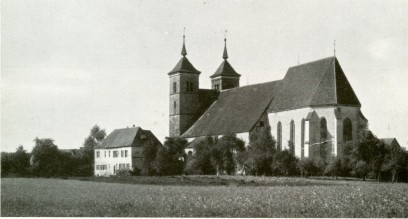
184 100
225 77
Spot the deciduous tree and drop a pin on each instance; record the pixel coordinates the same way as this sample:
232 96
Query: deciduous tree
171 157
95 137
261 149
45 158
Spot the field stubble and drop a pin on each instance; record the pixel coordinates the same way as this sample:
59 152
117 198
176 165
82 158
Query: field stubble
56 197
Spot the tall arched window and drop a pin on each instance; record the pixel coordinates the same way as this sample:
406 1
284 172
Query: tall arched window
347 130
292 131
302 139
323 138
292 136
323 129
279 136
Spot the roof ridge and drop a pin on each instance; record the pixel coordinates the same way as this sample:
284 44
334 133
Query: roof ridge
307 63
136 127
250 85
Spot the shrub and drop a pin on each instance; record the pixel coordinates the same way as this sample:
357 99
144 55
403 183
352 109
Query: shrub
124 172
284 163
306 167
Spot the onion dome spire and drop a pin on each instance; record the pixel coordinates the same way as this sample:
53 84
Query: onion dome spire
183 50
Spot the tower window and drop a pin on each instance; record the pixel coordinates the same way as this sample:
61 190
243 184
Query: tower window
175 106
174 87
189 86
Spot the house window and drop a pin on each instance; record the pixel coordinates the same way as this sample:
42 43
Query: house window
127 166
115 153
126 153
98 154
174 87
105 153
101 167
109 153
121 153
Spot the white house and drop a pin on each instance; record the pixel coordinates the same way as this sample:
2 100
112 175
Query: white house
122 149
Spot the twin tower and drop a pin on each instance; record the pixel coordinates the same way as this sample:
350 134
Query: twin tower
187 101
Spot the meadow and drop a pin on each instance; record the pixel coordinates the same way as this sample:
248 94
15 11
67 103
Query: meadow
201 196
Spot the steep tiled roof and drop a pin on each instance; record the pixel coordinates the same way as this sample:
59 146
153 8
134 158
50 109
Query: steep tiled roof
184 66
235 111
206 98
317 83
225 69
128 137
120 138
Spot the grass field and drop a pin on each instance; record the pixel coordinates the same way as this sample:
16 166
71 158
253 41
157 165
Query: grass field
201 197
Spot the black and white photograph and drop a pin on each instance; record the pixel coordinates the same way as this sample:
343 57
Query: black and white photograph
204 108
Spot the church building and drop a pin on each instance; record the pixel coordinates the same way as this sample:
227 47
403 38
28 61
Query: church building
313 107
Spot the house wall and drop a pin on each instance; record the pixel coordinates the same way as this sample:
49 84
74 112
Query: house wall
334 117
244 136
112 163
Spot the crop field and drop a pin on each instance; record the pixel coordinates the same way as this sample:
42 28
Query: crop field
201 197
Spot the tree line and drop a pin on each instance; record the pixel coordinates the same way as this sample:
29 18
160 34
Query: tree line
46 160
367 157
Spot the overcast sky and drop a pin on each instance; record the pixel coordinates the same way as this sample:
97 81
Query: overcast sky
68 65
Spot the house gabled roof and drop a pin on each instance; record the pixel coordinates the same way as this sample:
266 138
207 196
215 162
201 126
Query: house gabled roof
184 66
128 137
390 141
235 111
317 83
120 138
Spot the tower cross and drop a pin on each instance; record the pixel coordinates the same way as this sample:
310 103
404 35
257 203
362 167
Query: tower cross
225 54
